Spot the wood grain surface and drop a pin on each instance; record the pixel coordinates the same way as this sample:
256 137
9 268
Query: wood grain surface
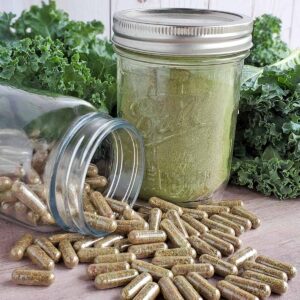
278 237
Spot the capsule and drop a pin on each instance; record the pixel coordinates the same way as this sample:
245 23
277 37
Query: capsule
289 269
190 229
242 255
201 228
95 269
32 277
177 252
238 229
68 254
230 203
173 216
101 205
156 271
8 197
224 247
72 237
100 223
169 261
32 177
114 279
164 205
88 205
143 209
253 266
19 248
146 236
116 205
246 223
242 212
205 270
130 214
92 171
215 225
108 241
125 226
154 218
174 235
122 245
5 183
32 218
20 210
195 213
87 188
149 292
232 292
203 247
146 250
87 255
277 286
97 182
186 289
39 257
233 240
203 287
256 288
222 267
47 219
133 287
168 289
118 257
86 242
49 248
213 209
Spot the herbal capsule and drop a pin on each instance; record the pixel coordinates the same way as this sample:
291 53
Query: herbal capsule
277 286
32 277
133 287
5 183
173 216
122 245
100 223
253 266
101 205
92 171
85 243
39 190
32 218
190 229
88 205
8 197
239 257
118 257
256 288
32 177
186 289
246 223
146 250
177 252
149 292
215 225
125 226
201 228
19 248
114 279
203 247
203 287
213 209
68 254
72 237
20 210
289 269
168 289
39 257
164 205
175 236
97 182
224 247
195 213
95 269
205 270
49 248
238 229
242 212
232 292
155 271
222 267
233 240
87 255
86 188
154 218
170 261
130 214
230 203
146 236
116 205
108 241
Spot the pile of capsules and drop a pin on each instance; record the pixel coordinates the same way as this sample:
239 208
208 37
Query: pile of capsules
183 248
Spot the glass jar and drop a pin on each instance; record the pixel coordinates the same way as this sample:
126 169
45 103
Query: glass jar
178 82
46 147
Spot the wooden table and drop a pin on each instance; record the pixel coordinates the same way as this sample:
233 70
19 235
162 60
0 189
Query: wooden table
278 236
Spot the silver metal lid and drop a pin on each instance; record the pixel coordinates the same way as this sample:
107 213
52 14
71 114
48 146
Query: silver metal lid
180 31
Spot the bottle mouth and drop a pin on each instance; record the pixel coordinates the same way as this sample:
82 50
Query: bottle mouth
117 149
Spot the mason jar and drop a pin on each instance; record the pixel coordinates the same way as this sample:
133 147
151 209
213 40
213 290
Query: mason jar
47 145
178 82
